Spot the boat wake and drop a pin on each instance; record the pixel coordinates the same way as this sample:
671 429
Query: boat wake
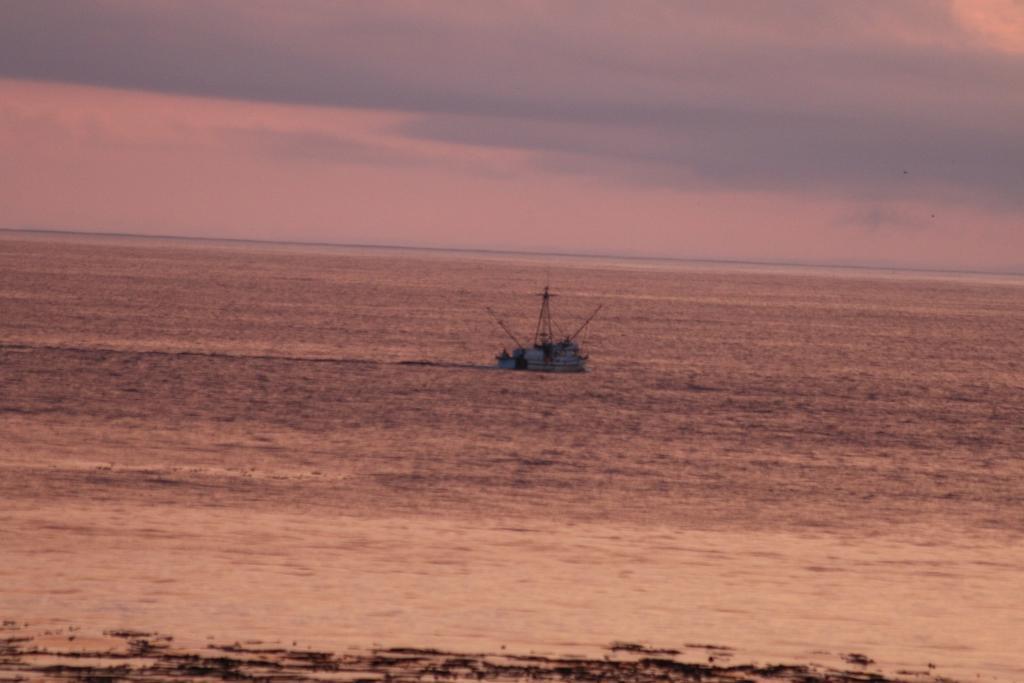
439 364
110 351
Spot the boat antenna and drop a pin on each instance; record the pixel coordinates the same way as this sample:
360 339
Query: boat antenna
544 335
504 327
585 323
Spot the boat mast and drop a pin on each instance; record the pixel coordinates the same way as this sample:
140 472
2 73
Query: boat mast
544 335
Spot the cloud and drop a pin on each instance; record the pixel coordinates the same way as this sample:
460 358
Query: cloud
591 60
887 218
869 104
312 146
797 95
730 149
999 21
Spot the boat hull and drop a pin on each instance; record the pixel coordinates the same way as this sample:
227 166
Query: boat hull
563 357
510 364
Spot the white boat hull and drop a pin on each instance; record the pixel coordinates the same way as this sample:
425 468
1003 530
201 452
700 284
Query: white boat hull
562 357
510 364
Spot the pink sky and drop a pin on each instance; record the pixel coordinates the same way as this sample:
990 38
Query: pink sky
796 130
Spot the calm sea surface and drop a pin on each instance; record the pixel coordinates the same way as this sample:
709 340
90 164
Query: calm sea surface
308 444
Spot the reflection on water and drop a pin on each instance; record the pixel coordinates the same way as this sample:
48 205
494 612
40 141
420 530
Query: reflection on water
302 444
334 581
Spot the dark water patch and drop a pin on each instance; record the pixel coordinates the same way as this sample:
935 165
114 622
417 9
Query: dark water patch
144 656
692 386
15 410
639 648
857 658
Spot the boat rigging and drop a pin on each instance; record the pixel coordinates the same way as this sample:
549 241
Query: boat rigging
548 353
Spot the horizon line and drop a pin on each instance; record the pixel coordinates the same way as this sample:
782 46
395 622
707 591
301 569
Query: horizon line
518 252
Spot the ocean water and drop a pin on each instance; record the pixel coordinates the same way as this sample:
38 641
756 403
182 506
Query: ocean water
308 444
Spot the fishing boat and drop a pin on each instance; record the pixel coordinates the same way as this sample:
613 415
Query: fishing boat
549 353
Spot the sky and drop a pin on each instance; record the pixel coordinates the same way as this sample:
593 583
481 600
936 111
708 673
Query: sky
872 132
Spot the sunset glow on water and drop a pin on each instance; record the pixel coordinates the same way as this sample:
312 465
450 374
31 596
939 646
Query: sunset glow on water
229 441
